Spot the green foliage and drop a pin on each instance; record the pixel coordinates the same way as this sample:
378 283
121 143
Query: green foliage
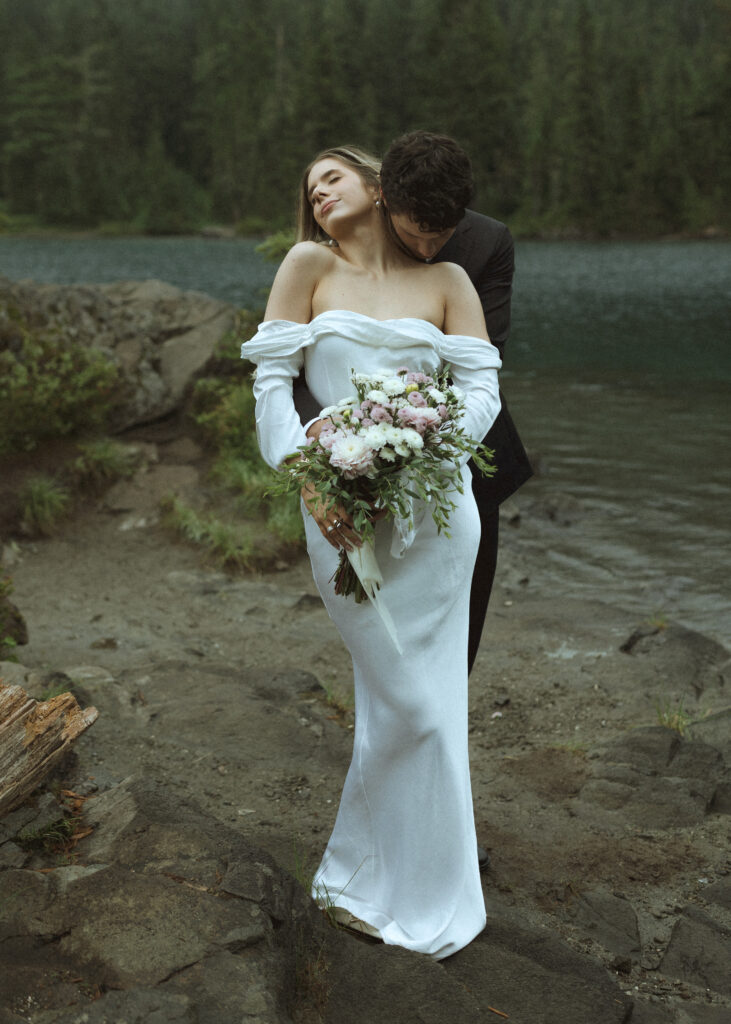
173 203
275 247
7 642
44 503
253 224
579 116
50 385
7 649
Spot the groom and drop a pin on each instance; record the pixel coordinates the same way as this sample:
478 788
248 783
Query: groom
426 183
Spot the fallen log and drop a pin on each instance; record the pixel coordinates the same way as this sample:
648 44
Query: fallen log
34 736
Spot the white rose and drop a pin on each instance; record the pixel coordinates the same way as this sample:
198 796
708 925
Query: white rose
329 410
377 397
394 386
347 401
437 395
388 454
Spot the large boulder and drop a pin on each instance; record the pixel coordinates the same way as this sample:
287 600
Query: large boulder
158 336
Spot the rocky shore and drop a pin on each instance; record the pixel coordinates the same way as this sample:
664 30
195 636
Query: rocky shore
188 817
212 775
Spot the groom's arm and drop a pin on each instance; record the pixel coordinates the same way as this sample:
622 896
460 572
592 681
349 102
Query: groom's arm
494 285
306 406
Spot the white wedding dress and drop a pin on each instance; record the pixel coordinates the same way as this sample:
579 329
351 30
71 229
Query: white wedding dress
403 853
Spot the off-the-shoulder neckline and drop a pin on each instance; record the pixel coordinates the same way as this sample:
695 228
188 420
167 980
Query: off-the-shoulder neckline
362 316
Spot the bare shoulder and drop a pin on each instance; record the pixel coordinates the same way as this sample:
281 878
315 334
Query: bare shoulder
451 275
299 274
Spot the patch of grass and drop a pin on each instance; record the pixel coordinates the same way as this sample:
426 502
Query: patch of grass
101 461
341 700
50 838
44 503
674 716
54 691
658 621
230 546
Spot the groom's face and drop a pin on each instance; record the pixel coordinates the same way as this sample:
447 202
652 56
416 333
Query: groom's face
422 244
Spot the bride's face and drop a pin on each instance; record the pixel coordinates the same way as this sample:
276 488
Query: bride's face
337 193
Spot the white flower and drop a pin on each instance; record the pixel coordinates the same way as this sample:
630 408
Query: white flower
457 392
402 449
363 378
394 386
329 410
376 437
412 438
347 401
437 395
377 397
351 454
388 454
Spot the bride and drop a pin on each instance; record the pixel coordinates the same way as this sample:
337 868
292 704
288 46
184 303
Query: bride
401 863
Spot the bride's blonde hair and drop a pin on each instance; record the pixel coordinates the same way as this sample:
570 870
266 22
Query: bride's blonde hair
366 165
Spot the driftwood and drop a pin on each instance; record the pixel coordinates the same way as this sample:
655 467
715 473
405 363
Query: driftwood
34 736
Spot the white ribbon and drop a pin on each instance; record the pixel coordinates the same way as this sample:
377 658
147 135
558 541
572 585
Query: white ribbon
366 568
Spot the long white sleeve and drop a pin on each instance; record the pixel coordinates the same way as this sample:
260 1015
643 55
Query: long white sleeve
473 368
277 352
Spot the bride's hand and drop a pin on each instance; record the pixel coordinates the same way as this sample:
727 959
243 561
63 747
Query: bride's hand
335 524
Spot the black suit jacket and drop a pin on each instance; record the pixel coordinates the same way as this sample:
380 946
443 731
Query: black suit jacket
484 248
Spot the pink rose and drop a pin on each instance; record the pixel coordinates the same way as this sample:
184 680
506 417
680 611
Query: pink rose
381 415
417 399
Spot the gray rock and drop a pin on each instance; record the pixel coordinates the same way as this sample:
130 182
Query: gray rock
719 893
704 1015
680 654
158 336
715 731
367 983
698 952
608 919
135 1006
140 929
653 1013
555 983
228 989
655 779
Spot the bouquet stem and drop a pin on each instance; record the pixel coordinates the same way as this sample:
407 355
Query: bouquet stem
360 573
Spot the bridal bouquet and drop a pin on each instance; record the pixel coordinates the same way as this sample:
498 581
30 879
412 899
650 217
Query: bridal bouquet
398 439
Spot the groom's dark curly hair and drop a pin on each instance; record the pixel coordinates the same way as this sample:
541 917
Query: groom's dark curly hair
429 178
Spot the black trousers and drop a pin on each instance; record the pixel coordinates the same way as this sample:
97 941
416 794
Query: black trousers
482 577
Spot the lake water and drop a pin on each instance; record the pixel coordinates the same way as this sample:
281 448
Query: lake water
618 373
